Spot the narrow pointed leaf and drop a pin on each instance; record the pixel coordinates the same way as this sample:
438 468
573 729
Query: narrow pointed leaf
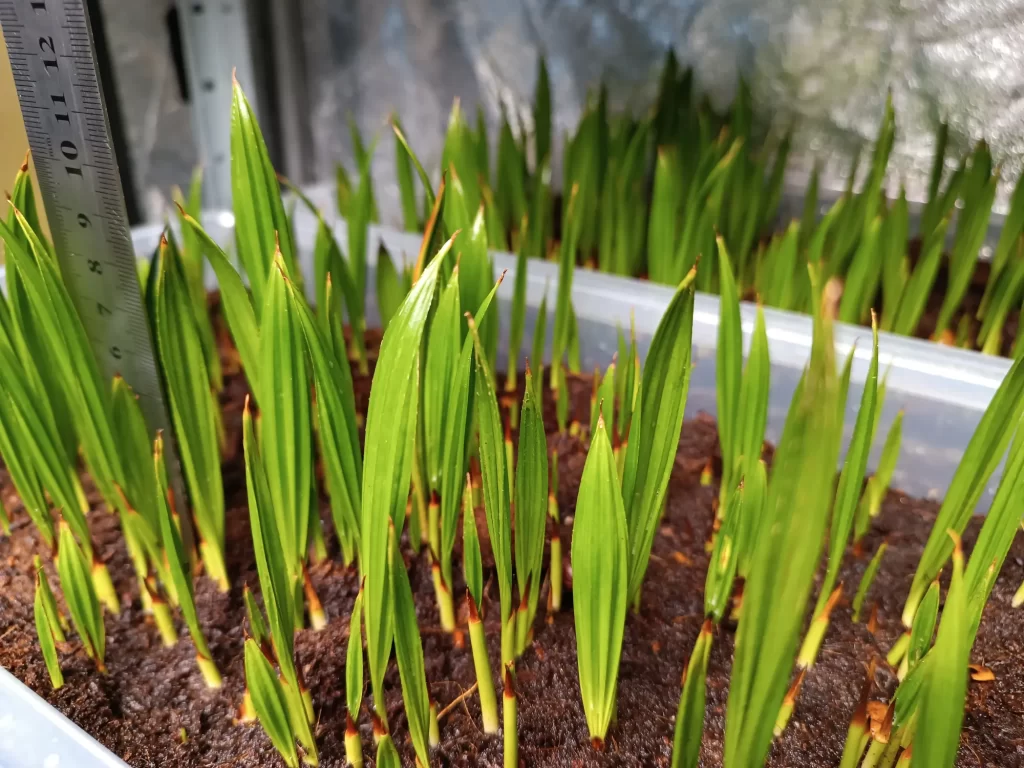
46 632
174 551
867 579
336 420
600 576
354 659
728 371
996 537
851 478
268 699
192 405
531 491
942 700
409 652
788 547
388 455
259 212
275 583
494 473
238 306
690 715
80 595
390 288
924 626
981 457
665 384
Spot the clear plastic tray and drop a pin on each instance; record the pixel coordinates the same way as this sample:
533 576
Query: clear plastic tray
942 391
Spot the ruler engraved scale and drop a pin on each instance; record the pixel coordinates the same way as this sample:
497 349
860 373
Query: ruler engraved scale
50 46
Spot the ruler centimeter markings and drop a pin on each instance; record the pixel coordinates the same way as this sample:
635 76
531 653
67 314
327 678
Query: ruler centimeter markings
49 43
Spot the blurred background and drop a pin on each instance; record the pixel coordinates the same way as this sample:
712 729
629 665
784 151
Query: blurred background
309 66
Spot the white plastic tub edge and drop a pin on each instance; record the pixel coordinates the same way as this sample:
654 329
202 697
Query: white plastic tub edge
942 391
35 735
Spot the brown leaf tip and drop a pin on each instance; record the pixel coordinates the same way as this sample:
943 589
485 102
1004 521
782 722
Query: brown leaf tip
832 601
509 682
524 601
831 296
379 730
350 725
794 689
474 615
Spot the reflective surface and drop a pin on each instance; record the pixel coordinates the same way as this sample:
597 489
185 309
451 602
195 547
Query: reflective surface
823 65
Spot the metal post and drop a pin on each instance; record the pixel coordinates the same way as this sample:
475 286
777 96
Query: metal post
216 36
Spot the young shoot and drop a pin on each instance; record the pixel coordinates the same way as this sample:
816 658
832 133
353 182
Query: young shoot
600 557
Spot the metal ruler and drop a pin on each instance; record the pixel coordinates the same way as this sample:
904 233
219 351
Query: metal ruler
50 46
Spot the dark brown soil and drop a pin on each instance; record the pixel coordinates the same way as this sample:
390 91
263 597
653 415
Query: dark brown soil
153 709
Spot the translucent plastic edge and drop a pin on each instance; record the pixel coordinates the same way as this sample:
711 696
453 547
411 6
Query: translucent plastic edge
916 367
35 735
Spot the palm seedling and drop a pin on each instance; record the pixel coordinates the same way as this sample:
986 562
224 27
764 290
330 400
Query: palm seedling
844 508
927 707
980 459
783 563
354 683
193 267
497 507
193 404
50 624
273 679
269 336
600 589
742 415
178 567
530 493
108 425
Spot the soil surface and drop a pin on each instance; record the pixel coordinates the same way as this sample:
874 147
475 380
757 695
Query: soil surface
153 709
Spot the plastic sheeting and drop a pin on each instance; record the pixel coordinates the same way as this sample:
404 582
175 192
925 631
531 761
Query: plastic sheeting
821 65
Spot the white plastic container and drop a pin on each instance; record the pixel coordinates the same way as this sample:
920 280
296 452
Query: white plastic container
942 391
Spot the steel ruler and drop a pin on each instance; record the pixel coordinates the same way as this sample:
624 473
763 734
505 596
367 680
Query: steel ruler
50 46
